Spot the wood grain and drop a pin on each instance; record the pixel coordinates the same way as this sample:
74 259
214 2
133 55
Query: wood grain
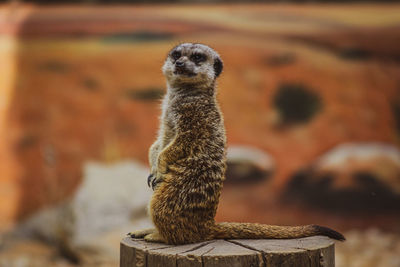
317 251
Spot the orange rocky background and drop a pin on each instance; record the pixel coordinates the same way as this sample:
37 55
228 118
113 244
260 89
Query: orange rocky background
83 83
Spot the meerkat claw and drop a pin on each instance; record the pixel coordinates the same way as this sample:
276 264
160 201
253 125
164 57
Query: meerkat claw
149 180
136 235
153 181
130 234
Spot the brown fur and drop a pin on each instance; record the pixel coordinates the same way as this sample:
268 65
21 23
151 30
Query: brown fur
188 159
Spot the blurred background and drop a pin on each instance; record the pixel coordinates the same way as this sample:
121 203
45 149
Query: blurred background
311 98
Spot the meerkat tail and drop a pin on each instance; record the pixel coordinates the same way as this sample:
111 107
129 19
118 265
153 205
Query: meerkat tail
228 230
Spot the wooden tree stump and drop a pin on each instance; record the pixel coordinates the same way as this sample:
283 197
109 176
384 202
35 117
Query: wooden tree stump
310 251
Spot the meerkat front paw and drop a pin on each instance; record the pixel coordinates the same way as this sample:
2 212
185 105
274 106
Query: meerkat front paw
141 233
153 180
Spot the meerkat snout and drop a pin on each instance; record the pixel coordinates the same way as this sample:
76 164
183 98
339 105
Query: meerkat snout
183 66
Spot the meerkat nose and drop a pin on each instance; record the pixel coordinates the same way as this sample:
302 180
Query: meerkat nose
179 63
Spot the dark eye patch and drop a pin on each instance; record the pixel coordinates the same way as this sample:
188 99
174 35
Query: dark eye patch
198 57
176 54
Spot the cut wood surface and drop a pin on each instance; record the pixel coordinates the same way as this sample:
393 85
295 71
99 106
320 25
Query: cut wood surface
310 251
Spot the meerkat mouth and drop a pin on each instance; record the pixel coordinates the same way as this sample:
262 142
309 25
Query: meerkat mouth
184 72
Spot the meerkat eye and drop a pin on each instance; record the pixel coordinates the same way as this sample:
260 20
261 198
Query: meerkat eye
198 57
176 55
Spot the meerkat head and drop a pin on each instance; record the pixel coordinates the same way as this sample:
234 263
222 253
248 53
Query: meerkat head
192 64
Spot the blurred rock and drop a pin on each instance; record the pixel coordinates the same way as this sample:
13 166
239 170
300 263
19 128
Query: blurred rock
110 196
379 160
248 164
105 247
111 199
351 177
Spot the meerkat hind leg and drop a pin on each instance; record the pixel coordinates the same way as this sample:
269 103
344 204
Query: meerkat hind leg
154 237
142 233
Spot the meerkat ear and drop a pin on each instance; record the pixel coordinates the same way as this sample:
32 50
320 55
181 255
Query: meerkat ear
218 66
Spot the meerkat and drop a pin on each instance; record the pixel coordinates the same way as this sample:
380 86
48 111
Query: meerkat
188 159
